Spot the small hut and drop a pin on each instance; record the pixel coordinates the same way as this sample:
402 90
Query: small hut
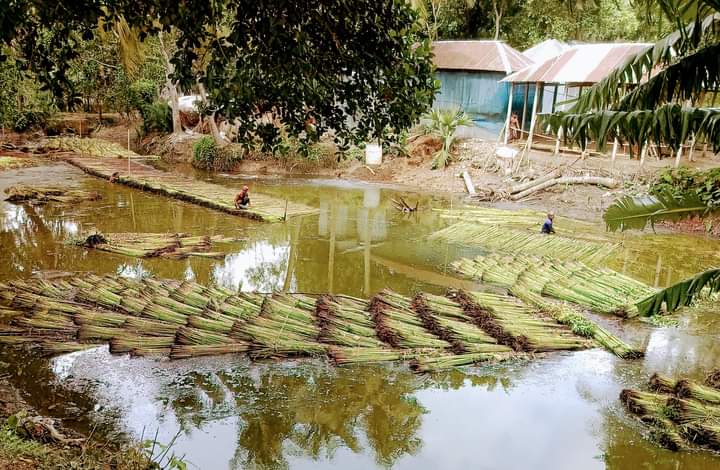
470 74
560 79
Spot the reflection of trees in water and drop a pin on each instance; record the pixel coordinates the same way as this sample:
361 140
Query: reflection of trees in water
311 410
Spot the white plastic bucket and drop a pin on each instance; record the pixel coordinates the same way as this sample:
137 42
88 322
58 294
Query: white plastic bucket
373 154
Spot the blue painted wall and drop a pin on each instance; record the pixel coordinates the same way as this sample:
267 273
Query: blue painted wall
477 93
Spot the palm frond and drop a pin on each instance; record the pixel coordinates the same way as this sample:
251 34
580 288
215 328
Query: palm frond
636 212
681 294
610 90
684 80
669 124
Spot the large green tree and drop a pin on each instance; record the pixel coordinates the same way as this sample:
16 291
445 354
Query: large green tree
360 68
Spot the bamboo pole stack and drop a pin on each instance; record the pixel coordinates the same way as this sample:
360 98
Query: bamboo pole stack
185 319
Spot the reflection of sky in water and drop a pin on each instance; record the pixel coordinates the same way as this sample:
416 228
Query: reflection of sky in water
14 217
548 414
261 267
135 270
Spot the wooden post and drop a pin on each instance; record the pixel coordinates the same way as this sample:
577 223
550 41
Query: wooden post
525 100
533 117
557 141
643 153
509 112
678 156
613 156
692 148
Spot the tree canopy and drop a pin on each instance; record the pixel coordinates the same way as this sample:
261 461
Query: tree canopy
362 68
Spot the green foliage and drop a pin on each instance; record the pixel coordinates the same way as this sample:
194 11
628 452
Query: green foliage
15 447
156 116
598 21
681 294
636 212
24 106
357 68
680 182
443 124
228 157
142 92
579 325
204 153
208 156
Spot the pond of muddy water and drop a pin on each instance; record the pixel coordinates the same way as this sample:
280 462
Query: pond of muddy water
561 411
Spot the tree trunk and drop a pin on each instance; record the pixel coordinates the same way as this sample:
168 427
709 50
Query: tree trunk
498 10
596 180
172 89
211 119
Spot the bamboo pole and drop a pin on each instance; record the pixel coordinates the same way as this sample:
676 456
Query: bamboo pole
692 148
509 112
533 117
557 142
678 156
613 156
525 102
643 153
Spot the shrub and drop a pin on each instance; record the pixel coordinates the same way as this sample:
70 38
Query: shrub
156 116
443 124
228 156
208 156
205 152
142 92
679 182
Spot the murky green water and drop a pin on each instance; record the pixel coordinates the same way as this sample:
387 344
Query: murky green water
558 412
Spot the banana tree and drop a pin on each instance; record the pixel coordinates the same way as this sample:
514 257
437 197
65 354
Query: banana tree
657 96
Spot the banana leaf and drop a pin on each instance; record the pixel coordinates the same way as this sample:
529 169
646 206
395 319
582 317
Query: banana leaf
681 294
636 212
682 42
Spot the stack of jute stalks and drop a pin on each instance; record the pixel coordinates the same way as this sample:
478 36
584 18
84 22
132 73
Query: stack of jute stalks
149 245
185 319
88 146
681 414
43 194
599 289
531 241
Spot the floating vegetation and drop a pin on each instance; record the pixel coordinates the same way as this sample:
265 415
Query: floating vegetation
185 319
214 196
150 245
681 413
512 240
599 289
44 194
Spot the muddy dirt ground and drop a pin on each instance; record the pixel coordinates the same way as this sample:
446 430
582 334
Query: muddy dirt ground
415 173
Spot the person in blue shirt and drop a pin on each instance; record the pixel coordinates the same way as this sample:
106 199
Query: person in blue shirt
548 225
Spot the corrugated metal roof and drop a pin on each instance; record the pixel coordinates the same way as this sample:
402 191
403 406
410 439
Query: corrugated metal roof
494 56
582 63
546 50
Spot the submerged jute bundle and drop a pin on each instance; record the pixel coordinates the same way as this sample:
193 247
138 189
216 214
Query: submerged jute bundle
185 319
